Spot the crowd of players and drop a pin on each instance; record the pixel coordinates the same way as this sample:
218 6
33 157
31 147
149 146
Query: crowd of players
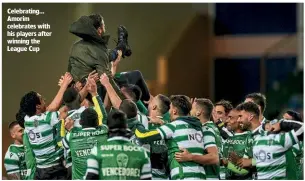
98 127
80 136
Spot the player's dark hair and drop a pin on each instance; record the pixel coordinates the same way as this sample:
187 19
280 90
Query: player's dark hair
70 95
28 103
20 117
89 118
206 105
182 103
71 98
164 103
96 19
249 107
12 124
295 115
226 104
129 108
127 88
117 124
259 99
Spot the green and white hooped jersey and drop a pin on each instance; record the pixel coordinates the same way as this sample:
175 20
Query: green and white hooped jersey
14 161
180 134
269 153
40 129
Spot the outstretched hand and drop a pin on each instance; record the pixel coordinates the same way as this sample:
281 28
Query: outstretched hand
91 88
156 120
61 80
104 79
118 59
67 79
93 75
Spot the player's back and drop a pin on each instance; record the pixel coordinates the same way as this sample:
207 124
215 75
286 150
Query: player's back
119 159
81 141
41 133
133 124
184 132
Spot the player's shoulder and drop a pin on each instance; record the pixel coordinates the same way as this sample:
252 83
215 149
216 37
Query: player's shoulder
134 147
12 151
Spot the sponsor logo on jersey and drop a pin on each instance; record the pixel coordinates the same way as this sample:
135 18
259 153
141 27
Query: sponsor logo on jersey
89 134
262 156
31 135
20 154
198 137
234 142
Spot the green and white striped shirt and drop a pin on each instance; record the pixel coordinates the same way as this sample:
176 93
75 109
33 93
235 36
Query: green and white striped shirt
40 129
75 115
180 134
14 161
269 153
212 138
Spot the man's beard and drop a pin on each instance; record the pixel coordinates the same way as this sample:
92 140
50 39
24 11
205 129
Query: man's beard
245 126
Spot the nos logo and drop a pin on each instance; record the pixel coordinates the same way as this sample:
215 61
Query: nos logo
262 156
198 137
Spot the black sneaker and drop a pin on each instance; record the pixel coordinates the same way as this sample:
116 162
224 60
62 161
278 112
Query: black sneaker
122 43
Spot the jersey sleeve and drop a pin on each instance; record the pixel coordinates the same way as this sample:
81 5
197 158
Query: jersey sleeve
166 131
92 171
100 110
67 151
52 118
288 139
141 107
11 161
146 168
209 138
145 136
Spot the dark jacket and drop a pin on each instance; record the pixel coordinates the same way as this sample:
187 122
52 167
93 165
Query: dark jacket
90 53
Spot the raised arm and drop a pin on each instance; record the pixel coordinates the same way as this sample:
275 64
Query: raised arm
298 127
163 132
116 62
57 101
97 101
114 97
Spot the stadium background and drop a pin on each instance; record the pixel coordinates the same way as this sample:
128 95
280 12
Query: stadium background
217 51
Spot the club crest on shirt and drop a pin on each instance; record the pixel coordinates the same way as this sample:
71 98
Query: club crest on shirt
36 123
